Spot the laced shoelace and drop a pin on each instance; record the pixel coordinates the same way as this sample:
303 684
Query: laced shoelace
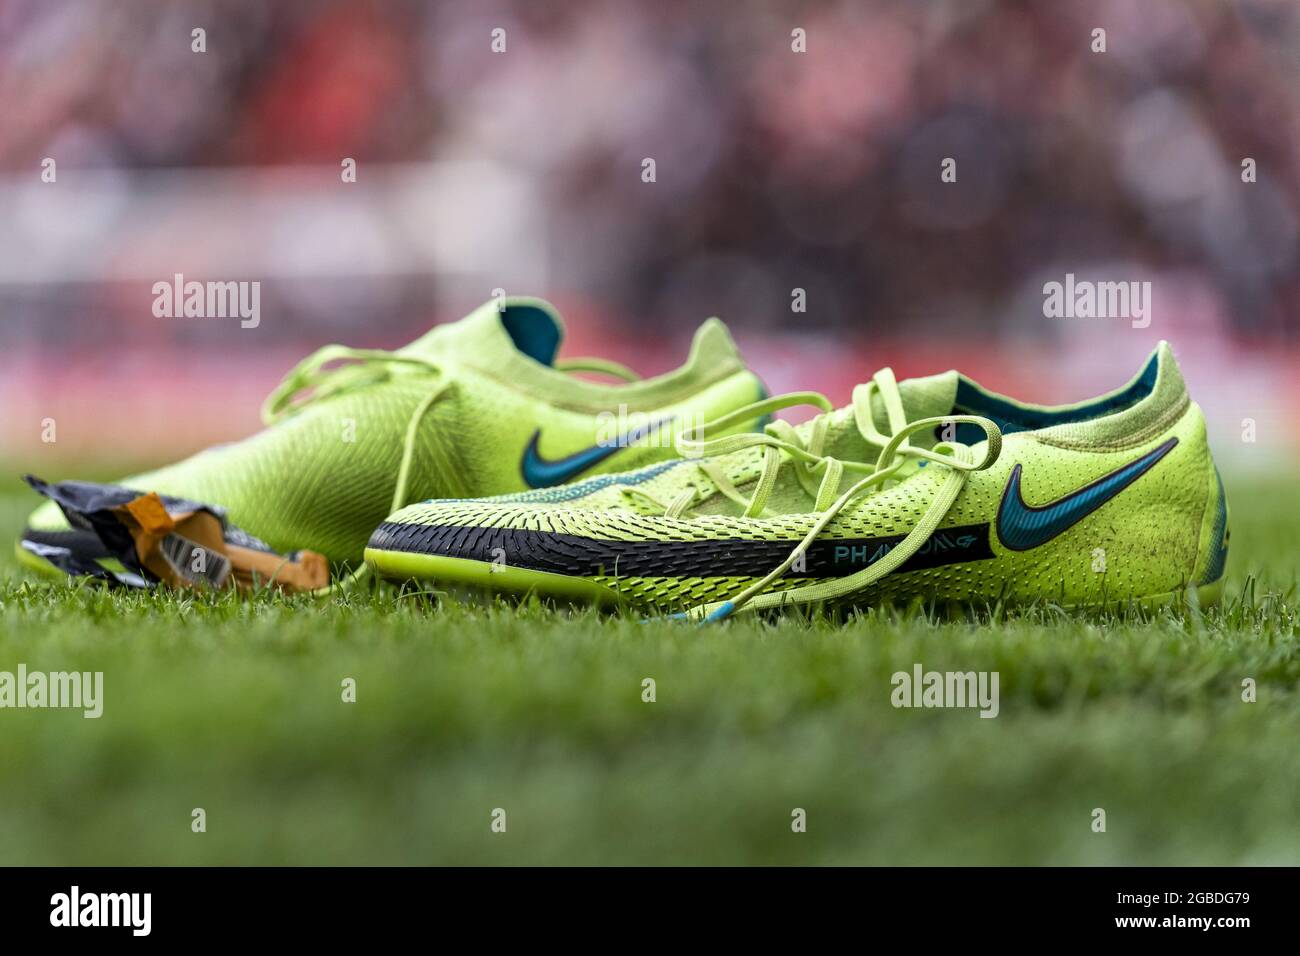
310 381
820 475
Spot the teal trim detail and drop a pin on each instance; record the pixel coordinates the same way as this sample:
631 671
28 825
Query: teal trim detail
1022 526
533 332
539 472
763 420
580 489
1218 536
1010 417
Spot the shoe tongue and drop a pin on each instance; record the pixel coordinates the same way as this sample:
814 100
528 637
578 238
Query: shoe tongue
496 329
927 397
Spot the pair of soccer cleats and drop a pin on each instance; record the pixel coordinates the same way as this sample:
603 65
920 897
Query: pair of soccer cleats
680 494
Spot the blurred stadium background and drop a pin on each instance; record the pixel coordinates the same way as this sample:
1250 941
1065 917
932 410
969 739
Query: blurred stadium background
522 171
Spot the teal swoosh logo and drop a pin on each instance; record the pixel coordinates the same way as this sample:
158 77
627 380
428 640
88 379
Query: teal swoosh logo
540 472
1022 526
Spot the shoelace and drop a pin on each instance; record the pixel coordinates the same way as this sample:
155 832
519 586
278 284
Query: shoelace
782 443
310 381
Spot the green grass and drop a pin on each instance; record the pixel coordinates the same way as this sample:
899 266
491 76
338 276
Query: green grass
236 707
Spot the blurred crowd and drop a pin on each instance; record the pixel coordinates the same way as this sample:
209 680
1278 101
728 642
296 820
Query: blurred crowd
774 169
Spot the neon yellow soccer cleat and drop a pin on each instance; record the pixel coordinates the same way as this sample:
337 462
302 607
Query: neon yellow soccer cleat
477 407
931 489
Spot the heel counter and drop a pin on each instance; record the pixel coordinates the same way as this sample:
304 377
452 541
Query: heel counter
1212 544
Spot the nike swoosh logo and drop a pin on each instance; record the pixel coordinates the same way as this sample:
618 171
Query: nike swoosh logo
540 472
1022 526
